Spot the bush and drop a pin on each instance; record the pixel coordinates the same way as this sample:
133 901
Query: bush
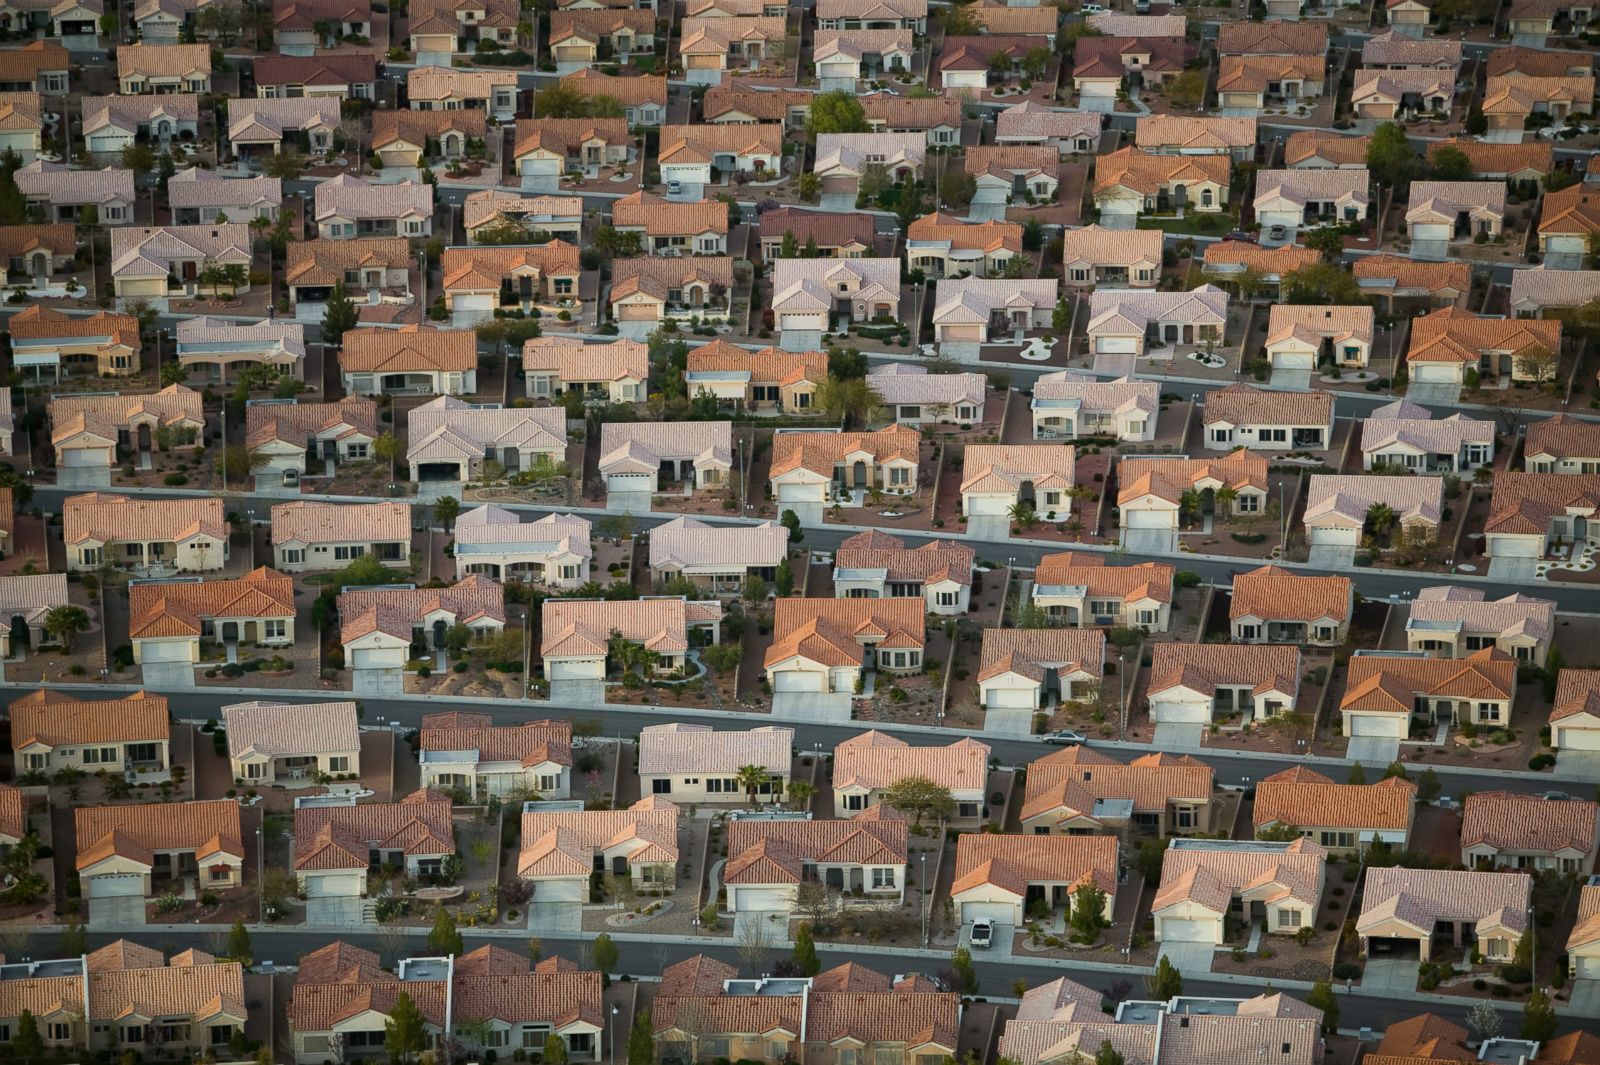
1346 970
174 480
1249 538
459 667
424 671
1514 974
1541 761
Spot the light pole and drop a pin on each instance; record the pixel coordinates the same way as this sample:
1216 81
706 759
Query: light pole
1122 693
923 881
614 1011
261 868
250 531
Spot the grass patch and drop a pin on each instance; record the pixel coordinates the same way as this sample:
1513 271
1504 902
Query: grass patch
1203 225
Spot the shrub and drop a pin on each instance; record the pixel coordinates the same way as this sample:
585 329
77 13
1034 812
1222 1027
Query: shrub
424 671
459 667
1541 761
1249 538
174 480
1347 970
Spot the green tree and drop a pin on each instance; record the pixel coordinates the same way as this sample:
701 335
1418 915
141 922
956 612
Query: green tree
1088 917
1107 1054
239 945
339 316
751 778
1187 89
286 165
27 1043
445 510
1390 156
443 937
790 248
1152 853
909 209
1166 982
1322 998
756 589
957 187
1322 283
65 623
1061 317
961 967
387 449
808 186
1449 164
1396 769
1358 774
404 1034
140 158
1428 786
606 956
836 112
641 1040
1329 240
1538 1016
791 521
1477 122
555 1050
783 579
74 941
920 797
805 951
1280 832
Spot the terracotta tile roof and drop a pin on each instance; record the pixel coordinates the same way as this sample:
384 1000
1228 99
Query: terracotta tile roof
1426 1035
395 610
163 60
698 975
583 628
1198 871
103 415
830 632
416 127
855 44
565 136
1412 499
277 730
688 543
851 976
141 983
1332 147
1272 593
1577 692
657 275
1202 667
641 447
988 236
341 837
1005 468
296 423
1157 131
444 83
1393 86
1515 94
157 609
554 994
1525 502
1007 160
1571 210
485 267
996 17
688 144
1574 1047
488 206
1562 437
907 113
1307 799
1511 616
659 217
683 748
1495 160
821 452
104 518
1138 170
767 366
409 349
912 1013
1213 1040
1096 394
43 323
1395 49
1409 274
1170 478
18 241
1538 63
1268 262
1444 200
758 104
304 14
339 523
1242 404
1253 73
1144 580
974 53
13 812
716 36
1458 337
1420 897
531 743
25 64
1523 824
1312 323
1272 37
56 719
1043 1041
564 844
1033 121
1099 246
1379 683
339 981
1067 783
827 230
934 561
210 829
627 91
1013 862
876 761
1586 928
1106 57
593 25
324 262
1030 652
330 69
772 852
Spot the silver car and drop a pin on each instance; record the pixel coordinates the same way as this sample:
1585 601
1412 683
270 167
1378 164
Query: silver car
982 934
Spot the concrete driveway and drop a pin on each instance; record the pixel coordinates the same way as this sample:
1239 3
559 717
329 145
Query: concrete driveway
769 926
1189 958
338 911
116 911
999 947
838 202
1150 541
1331 556
987 212
1176 736
1585 762
1287 380
800 339
1391 974
1373 750
1513 569
989 527
556 916
168 676
578 692
1585 998
628 502
376 682
1433 392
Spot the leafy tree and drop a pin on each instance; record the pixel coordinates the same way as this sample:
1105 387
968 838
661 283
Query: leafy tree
563 100
443 937
808 186
1477 122
64 623
1428 786
805 951
1396 769
1483 1021
920 797
750 778
1390 156
836 112
959 21
909 209
1322 997
1088 916
848 397
790 248
1379 518
1187 89
1166 982
845 363
286 165
13 204
555 1050
791 521
140 158
74 941
1032 234
755 589
1449 164
957 188
1152 852
239 944
404 1033
1537 363
387 448
1279 833
1107 1054
445 510
641 1040
1061 317
961 967
810 251
1538 1016
606 956
1329 240
1322 283
27 1043
1358 774
339 316
783 579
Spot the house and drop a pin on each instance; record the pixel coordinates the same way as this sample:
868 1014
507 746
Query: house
914 397
1244 416
1404 435
561 848
490 212
1241 261
1383 692
336 846
1505 830
1253 83
844 57
495 543
658 288
1151 492
44 340
975 310
130 735
1029 123
1487 912
1396 51
65 195
1273 605
373 271
159 263
1538 63
547 149
309 536
1440 212
1510 101
26 600
1116 258
1076 588
729 103
1206 135
163 68
1500 162
442 27
1076 791
1344 819
145 850
875 565
1201 879
444 88
1567 226
1008 879
808 294
1583 942
1068 405
76 23
290 745
479 281
1273 37
938 117
1131 182
1448 343
470 753
733 8
880 14
1447 621
769 380
824 648
1420 286
208 347
862 856
267 124
409 139
1306 337
301 27
411 359
1401 95
22 123
1315 150
716 560
40 66
834 236
842 158
578 632
579 38
379 627
347 206
709 46
698 764
673 227
37 255
111 123
350 76
1123 322
643 98
1113 24
292 439
941 245
612 372
1038 669
187 534
968 64
1338 506
868 765
169 620
638 459
202 197
1409 18
88 430
1533 514
454 441
1296 199
1102 66
1007 173
1194 683
1560 444
1002 482
996 17
812 469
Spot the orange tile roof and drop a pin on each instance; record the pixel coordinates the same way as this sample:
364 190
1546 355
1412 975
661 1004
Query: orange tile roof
530 743
1170 478
1456 336
1270 262
324 262
1004 468
773 852
574 360
1273 593
1253 73
821 452
210 829
627 91
296 423
342 837
912 1013
104 415
1521 824
1138 170
1308 799
38 322
1337 148
584 627
1496 159
656 275
1204 666
1426 1035
934 561
659 217
829 631
106 518
396 610
1242 404
141 983
409 348
1066 784
564 844
1577 692
1029 652
565 136
467 269
686 144
13 812
876 761
57 719
989 236
340 981
1012 863
1389 684
1212 876
177 609
1573 210
767 366
330 523
1525 502
1575 1048
1411 274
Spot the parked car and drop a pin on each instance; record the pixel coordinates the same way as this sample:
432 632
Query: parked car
1239 234
1277 233
1555 796
674 187
1064 737
1093 9
982 934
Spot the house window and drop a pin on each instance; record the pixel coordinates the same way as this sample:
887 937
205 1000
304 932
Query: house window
1147 617
1338 839
1183 817
888 1056
345 554
1288 918
899 475
220 873
221 1033
1496 948
945 598
1249 632
714 1047
1080 275
847 1056
561 286
339 764
356 451
133 1033
569 573
99 755
275 629
255 771
882 879
293 556
1144 275
1488 711
1247 504
61 1032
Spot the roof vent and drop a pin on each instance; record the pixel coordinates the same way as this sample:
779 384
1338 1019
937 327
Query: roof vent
1183 1022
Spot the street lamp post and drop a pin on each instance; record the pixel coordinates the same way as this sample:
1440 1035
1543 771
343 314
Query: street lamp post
614 1011
261 868
1122 693
925 895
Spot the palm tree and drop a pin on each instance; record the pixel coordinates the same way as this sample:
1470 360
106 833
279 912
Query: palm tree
1380 517
800 793
1225 497
1023 513
65 622
750 778
1189 502
210 276
624 652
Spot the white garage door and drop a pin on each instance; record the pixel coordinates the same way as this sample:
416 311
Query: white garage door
1147 519
1179 710
1514 547
339 885
1116 345
1187 930
631 482
1293 360
1436 373
370 658
754 899
566 890
86 456
987 505
1579 739
797 680
1336 535
156 651
1587 968
1000 912
1373 725
583 669
111 887
1008 699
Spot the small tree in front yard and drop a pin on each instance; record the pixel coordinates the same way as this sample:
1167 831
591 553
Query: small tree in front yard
1322 998
1166 982
1538 1016
1483 1022
1088 917
443 938
920 797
